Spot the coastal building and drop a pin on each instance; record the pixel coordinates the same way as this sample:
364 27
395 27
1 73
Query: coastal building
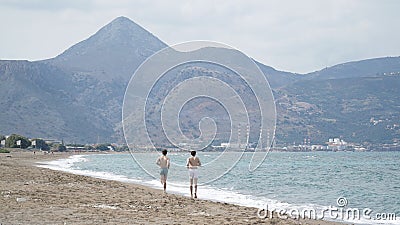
337 144
318 148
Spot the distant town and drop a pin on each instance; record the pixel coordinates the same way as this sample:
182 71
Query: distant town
53 145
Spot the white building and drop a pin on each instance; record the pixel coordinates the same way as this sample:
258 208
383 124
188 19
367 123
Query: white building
337 144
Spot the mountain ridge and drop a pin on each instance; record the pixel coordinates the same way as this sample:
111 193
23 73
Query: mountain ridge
77 95
362 68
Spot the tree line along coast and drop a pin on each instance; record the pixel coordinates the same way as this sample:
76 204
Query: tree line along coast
16 141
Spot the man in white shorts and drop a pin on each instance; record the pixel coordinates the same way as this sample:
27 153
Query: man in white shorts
164 163
192 164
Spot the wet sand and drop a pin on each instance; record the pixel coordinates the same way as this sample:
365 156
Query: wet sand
33 195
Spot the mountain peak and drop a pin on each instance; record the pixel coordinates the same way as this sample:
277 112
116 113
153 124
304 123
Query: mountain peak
124 26
120 31
122 20
114 50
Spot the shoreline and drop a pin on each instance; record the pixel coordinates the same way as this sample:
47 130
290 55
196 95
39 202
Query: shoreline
35 195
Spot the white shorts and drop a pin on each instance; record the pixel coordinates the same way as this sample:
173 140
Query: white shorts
193 173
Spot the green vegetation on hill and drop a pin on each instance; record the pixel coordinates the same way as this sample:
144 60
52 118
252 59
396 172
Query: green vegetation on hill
13 140
40 144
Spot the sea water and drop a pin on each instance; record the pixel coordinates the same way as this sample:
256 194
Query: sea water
360 187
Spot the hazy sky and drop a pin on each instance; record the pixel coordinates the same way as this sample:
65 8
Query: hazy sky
297 36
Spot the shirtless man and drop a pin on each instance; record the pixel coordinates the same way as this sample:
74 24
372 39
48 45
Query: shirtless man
192 164
163 163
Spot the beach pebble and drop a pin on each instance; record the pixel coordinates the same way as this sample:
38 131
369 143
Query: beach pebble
21 199
6 194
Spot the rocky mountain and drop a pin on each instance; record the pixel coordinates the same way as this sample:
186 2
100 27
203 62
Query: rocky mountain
358 101
358 110
111 54
77 96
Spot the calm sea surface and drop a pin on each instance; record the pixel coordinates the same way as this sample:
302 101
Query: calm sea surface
286 181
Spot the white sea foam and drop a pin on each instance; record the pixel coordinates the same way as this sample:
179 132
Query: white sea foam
204 192
67 164
63 164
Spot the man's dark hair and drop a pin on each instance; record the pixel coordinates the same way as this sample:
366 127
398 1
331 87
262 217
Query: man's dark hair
193 153
164 152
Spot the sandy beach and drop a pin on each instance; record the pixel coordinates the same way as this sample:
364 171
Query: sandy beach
33 195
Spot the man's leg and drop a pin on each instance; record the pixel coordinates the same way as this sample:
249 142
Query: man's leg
165 183
191 187
162 179
195 187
